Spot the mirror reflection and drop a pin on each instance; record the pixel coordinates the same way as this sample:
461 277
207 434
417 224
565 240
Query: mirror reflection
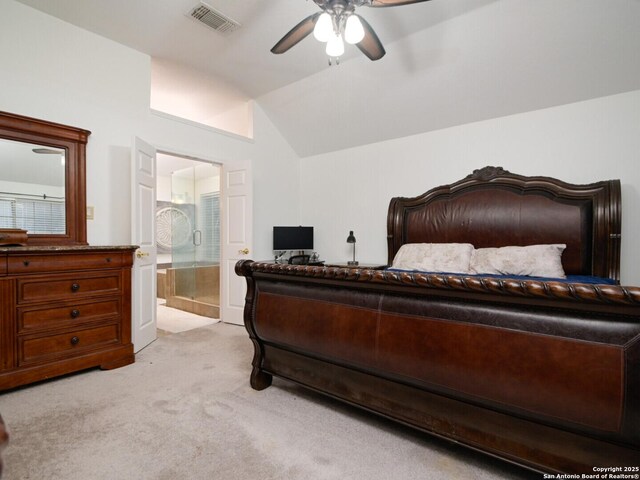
32 187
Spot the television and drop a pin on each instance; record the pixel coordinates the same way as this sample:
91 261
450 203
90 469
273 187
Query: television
293 238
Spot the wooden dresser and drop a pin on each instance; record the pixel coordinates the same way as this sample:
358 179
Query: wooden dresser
63 309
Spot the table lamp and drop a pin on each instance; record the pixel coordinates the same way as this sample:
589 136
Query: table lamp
351 239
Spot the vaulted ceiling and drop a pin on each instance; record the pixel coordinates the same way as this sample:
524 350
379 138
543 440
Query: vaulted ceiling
448 62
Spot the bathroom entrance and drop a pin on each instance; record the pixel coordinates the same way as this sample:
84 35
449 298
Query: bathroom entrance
188 236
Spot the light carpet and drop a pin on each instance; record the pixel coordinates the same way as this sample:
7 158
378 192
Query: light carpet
185 410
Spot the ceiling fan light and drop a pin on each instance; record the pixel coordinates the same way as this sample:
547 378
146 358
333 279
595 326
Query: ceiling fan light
324 28
335 46
353 32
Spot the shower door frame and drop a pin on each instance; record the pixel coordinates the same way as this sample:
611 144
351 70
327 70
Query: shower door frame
177 275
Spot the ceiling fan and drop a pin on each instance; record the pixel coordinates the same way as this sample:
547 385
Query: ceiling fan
336 21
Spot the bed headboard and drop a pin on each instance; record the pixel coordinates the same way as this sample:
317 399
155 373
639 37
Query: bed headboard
495 208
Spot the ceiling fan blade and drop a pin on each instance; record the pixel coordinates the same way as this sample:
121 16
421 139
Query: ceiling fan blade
296 34
393 3
370 45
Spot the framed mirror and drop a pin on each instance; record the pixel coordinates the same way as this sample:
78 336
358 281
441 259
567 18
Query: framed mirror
42 180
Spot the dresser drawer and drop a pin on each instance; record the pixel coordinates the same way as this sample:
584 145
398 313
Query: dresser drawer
38 349
30 263
68 286
46 317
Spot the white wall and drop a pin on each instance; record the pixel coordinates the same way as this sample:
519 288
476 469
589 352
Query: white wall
187 93
579 143
55 71
163 192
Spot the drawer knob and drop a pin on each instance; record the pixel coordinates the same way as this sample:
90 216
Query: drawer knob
75 287
75 313
75 340
108 259
26 263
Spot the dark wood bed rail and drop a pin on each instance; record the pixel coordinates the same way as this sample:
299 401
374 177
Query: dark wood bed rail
535 292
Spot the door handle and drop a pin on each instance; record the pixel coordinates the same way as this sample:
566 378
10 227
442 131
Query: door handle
140 254
197 234
244 251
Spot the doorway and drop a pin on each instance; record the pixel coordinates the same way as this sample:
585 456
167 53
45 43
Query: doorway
188 242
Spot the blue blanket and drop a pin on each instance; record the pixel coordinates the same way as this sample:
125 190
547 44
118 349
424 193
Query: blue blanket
570 278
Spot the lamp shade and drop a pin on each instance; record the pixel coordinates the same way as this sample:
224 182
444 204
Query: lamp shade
335 45
353 31
324 28
351 238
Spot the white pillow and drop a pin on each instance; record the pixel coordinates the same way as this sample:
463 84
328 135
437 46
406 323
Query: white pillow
434 257
533 261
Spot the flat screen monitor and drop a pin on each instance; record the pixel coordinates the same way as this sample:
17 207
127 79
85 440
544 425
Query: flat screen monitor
293 238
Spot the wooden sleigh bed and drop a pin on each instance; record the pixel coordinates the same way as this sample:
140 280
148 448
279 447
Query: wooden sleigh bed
543 373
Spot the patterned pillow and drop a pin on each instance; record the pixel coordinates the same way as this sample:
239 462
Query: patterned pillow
434 257
533 261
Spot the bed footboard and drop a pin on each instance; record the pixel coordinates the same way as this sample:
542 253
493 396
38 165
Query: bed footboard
550 384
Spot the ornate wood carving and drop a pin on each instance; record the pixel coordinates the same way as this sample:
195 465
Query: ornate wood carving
487 173
529 289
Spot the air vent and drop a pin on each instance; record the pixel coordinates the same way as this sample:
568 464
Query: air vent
212 18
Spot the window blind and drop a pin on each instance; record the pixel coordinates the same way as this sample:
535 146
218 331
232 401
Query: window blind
33 215
210 225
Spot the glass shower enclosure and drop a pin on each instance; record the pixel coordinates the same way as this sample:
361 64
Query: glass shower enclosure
190 228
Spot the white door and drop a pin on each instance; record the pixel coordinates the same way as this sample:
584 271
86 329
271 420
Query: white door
237 236
143 227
